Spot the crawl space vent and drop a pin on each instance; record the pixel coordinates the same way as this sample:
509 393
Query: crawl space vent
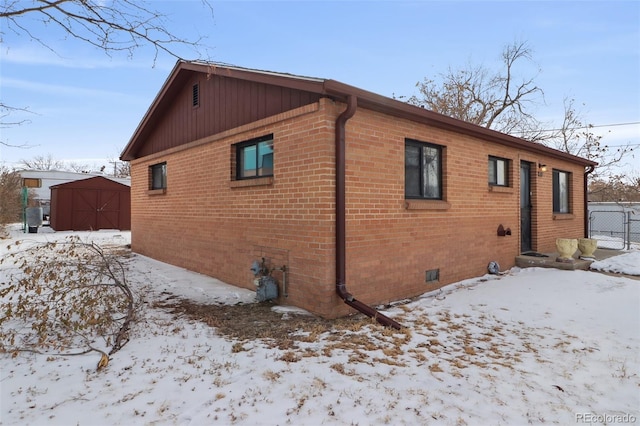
432 275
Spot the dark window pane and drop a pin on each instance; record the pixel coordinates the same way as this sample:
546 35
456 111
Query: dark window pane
564 192
159 176
422 170
560 192
556 192
248 161
431 172
265 158
492 171
412 171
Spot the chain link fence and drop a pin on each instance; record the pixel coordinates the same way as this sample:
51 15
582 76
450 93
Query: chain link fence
615 226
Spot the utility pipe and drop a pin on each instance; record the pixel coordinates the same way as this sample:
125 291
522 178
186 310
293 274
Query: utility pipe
341 262
589 170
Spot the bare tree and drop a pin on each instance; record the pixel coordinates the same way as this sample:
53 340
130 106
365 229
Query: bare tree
6 120
48 162
502 101
78 167
617 188
116 168
483 97
578 138
115 26
123 169
42 162
112 26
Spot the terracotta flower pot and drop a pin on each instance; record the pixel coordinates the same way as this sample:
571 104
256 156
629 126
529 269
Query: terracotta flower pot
587 246
566 247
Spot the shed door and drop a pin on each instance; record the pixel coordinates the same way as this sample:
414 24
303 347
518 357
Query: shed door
108 210
83 215
525 206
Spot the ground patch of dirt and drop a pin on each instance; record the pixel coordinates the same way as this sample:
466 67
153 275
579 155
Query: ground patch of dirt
259 321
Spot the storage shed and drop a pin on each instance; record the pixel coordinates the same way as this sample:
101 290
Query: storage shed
91 204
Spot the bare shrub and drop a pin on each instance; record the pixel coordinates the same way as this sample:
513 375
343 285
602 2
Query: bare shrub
68 297
10 196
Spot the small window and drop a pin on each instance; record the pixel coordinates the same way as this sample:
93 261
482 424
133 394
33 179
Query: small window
195 95
498 171
32 183
254 158
158 176
422 170
561 193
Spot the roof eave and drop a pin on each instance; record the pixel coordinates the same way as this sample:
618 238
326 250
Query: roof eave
400 109
340 91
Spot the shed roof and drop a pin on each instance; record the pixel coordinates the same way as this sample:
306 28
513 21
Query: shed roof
96 182
332 89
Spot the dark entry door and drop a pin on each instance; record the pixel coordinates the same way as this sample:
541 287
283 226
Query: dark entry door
525 206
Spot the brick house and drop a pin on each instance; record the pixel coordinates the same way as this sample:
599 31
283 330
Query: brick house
354 193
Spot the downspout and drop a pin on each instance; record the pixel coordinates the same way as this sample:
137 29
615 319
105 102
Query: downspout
589 170
341 262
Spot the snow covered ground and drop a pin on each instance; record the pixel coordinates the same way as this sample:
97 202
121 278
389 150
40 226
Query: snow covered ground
533 346
627 263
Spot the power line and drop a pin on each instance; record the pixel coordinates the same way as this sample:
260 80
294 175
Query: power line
631 145
630 123
625 145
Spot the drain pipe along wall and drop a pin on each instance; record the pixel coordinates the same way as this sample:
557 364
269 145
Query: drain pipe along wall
341 263
587 172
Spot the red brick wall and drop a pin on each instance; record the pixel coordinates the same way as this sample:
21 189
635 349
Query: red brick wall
390 247
208 223
549 225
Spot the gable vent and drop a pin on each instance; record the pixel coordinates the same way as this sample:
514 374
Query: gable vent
195 95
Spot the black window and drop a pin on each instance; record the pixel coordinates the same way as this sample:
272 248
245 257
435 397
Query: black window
254 158
498 171
422 170
561 181
158 176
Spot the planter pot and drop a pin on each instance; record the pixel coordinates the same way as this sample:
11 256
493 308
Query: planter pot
587 246
566 247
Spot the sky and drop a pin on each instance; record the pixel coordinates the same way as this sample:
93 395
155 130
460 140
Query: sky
530 346
84 105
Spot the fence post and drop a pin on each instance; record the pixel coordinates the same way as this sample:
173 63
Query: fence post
627 235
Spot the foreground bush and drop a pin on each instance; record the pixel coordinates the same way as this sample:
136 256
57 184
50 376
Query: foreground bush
67 297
